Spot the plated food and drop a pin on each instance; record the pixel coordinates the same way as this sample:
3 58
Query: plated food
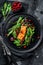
16 6
20 34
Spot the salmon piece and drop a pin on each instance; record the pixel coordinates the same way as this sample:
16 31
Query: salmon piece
22 33
23 29
20 36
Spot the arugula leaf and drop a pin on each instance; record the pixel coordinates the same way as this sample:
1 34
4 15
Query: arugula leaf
14 34
17 42
19 20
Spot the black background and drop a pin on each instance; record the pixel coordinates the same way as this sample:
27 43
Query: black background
33 8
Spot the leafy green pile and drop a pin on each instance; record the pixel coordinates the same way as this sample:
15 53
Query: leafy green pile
28 36
6 9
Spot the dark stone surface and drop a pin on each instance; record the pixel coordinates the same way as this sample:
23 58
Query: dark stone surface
37 58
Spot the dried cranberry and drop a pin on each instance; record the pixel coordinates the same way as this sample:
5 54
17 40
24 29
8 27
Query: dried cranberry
11 39
16 6
30 20
25 46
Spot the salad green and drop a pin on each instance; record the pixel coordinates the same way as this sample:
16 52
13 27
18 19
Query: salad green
6 9
22 34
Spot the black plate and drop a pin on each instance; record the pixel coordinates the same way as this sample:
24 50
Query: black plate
9 22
